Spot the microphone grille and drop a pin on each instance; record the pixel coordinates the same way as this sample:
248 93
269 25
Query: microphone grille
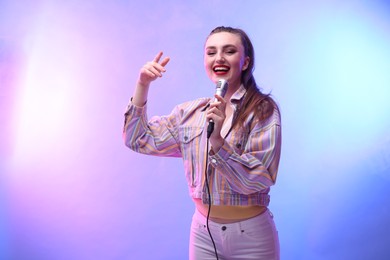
222 86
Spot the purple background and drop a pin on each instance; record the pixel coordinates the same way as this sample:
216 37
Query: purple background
70 189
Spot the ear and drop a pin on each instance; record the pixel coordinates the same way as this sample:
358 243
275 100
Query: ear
246 63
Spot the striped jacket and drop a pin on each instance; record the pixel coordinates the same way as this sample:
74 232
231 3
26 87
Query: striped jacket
240 173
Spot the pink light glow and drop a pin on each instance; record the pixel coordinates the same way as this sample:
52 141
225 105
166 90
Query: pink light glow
70 189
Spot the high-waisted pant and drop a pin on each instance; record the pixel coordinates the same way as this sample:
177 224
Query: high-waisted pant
254 238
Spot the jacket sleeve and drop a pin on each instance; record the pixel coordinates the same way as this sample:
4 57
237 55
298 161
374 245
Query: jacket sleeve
256 168
158 136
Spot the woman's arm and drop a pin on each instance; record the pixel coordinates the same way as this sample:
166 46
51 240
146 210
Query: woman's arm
155 137
256 168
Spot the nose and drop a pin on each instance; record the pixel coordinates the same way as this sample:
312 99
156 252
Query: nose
220 58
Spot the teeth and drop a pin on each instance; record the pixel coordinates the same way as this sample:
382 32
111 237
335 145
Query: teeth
221 69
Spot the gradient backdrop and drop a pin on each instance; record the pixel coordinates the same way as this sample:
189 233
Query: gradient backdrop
70 189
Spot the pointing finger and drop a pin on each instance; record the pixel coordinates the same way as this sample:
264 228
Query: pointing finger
158 57
165 61
220 99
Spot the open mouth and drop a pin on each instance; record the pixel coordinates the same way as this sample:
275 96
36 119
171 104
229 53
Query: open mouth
221 69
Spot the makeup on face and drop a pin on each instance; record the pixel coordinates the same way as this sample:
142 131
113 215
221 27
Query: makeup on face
224 57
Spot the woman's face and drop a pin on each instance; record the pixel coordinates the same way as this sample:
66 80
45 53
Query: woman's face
224 58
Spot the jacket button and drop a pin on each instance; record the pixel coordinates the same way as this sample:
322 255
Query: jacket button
223 228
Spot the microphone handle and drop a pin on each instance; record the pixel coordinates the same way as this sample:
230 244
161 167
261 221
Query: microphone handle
210 128
222 86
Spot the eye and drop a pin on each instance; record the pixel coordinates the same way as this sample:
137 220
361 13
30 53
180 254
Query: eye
231 51
210 53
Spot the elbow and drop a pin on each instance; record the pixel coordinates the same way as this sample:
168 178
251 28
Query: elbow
127 142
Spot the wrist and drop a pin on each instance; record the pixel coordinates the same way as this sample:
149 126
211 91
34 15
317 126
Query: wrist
216 143
140 94
141 84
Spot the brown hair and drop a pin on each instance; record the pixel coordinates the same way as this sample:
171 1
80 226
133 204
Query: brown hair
254 100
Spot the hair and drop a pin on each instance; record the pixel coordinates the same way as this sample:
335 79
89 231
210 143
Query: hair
254 100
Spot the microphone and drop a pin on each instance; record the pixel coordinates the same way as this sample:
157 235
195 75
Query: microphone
220 90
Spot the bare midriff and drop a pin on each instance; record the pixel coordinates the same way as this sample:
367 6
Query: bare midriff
229 214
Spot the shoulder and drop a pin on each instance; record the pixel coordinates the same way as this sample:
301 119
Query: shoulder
193 104
268 107
196 102
268 113
188 108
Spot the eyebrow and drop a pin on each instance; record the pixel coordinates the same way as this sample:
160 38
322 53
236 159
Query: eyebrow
223 47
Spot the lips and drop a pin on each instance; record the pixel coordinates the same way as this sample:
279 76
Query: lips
221 69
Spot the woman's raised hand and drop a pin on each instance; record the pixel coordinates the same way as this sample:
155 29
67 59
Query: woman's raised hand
152 69
149 72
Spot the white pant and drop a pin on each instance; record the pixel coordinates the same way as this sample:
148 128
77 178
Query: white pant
255 238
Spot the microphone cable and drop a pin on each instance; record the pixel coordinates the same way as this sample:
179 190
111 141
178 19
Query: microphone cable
221 88
209 198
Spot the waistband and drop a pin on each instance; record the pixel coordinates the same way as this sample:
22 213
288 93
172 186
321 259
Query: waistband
231 199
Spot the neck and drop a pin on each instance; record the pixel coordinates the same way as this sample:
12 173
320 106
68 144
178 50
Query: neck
231 90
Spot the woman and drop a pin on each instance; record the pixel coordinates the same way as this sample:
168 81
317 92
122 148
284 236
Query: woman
230 172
